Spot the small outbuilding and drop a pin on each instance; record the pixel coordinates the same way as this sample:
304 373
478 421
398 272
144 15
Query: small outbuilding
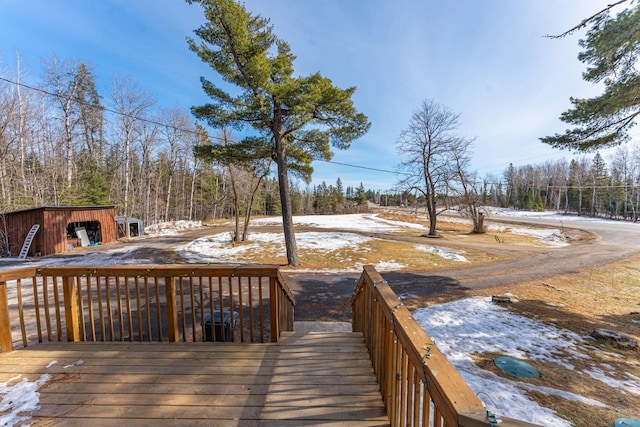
61 228
129 227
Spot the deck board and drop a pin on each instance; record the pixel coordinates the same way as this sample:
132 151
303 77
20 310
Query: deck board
306 379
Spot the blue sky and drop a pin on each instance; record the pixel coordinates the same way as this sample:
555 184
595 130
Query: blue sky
485 59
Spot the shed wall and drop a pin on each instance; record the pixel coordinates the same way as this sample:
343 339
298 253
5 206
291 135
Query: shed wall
18 226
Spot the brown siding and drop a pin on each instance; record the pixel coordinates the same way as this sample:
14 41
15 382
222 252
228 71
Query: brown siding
18 226
52 236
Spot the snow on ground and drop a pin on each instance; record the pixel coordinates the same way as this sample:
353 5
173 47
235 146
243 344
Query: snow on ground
476 325
219 247
543 214
551 237
447 253
353 222
19 399
170 228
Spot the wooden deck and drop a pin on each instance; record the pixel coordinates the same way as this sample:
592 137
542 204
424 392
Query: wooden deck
306 379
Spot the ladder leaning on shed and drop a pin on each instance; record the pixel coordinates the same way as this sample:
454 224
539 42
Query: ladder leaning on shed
27 241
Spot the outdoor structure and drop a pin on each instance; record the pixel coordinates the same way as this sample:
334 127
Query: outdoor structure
129 227
131 345
61 228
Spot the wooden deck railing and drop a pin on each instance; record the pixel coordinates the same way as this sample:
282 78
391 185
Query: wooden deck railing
418 385
144 303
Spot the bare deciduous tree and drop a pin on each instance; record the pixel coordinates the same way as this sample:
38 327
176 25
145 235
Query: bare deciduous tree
464 187
429 146
131 102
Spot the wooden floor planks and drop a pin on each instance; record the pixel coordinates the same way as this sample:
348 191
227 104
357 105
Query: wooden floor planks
307 379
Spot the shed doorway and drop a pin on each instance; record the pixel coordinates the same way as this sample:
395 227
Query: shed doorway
83 233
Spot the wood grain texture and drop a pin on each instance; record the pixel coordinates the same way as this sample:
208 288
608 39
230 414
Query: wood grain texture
310 379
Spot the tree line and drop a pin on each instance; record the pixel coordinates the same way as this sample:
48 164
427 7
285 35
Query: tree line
64 143
583 186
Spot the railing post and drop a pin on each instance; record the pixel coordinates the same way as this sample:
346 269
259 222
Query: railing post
71 309
275 312
6 342
172 310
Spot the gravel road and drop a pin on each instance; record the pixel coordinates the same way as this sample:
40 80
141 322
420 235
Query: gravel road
325 297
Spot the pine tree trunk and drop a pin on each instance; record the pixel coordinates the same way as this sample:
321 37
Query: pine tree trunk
285 200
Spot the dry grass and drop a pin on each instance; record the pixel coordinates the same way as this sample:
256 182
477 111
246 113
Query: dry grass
371 252
605 297
454 234
462 231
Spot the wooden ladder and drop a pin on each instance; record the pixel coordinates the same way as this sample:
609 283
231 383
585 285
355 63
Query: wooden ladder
27 241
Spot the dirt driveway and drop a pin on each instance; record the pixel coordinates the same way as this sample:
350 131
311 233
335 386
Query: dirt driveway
322 296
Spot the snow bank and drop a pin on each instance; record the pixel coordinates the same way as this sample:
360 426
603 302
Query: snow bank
171 227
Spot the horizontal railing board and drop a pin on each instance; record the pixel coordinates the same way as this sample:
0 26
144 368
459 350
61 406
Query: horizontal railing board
136 422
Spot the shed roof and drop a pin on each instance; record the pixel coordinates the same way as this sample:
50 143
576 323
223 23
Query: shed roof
62 208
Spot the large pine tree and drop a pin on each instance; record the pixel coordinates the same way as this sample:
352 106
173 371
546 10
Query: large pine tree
612 52
297 118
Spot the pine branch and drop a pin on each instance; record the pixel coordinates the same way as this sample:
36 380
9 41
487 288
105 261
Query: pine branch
586 21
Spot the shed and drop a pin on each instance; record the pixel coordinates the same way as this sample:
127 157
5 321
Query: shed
128 227
61 228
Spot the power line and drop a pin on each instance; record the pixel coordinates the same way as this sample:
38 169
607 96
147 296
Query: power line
366 167
176 128
102 108
158 123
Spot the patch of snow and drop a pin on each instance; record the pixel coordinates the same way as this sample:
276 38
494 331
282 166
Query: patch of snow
447 253
476 325
116 256
551 237
219 247
76 363
563 394
170 228
20 400
543 214
631 384
53 362
355 222
387 266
